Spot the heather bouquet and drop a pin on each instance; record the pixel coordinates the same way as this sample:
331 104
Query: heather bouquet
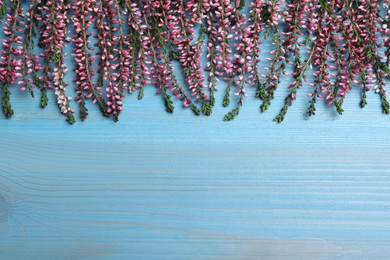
187 50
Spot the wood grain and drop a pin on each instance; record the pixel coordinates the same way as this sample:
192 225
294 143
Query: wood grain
160 186
156 186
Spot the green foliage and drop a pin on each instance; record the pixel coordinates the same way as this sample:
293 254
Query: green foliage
141 92
260 92
363 101
174 55
83 111
280 117
70 118
385 103
212 100
383 66
157 31
3 11
264 106
168 102
339 106
56 57
15 5
226 98
311 110
5 100
206 108
232 114
325 6
241 5
100 80
44 98
195 109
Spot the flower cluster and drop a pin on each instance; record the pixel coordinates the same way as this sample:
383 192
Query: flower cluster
30 61
124 46
220 14
278 55
136 63
242 63
52 41
189 54
11 63
85 88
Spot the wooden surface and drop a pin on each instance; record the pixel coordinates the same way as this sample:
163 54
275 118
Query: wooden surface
160 186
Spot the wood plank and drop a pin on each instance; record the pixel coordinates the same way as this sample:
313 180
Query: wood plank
160 186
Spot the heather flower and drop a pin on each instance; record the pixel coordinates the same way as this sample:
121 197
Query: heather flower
11 63
106 24
218 22
30 61
386 30
242 63
255 28
52 41
188 53
3 9
138 69
295 17
371 37
121 74
278 55
342 44
320 57
86 89
161 69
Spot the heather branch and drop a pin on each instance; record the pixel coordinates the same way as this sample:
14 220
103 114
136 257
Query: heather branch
85 89
10 64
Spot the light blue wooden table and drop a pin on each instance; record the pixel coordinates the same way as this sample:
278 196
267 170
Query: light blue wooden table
161 186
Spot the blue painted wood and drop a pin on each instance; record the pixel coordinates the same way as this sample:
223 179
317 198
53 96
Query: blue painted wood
161 186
